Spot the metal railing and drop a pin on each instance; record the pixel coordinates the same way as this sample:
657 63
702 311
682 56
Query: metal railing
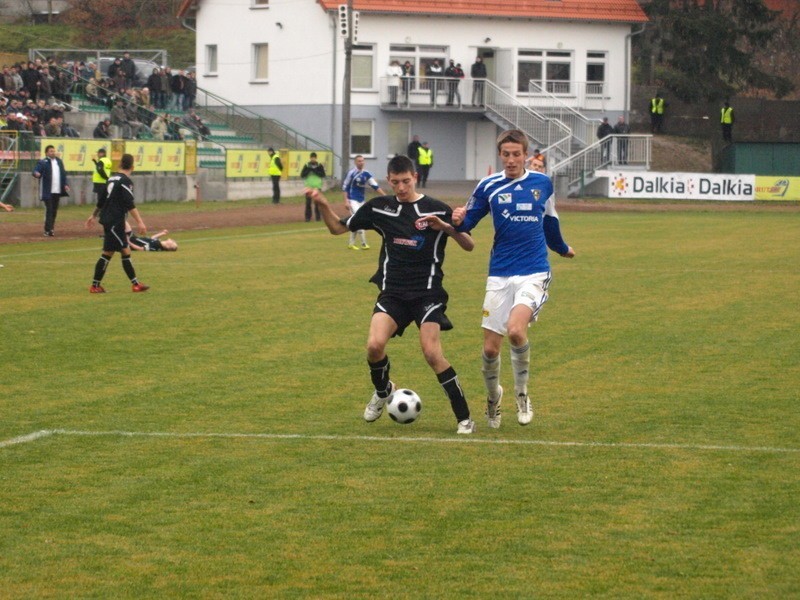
579 95
584 130
265 131
612 152
445 93
9 162
551 134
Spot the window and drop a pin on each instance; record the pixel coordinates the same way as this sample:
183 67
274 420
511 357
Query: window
260 62
399 136
595 73
419 57
551 70
361 138
211 59
363 69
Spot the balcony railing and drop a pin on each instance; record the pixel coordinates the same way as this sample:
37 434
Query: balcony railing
578 95
431 92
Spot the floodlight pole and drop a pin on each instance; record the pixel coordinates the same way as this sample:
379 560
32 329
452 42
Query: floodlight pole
348 59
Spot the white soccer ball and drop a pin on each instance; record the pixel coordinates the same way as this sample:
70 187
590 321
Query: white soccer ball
404 406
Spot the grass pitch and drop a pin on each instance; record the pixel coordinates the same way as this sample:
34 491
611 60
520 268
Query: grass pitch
205 439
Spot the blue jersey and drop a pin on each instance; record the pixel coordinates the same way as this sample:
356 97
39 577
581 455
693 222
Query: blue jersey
525 222
356 182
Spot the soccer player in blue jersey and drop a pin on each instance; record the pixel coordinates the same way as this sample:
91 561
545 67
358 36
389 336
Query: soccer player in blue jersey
415 229
522 206
355 188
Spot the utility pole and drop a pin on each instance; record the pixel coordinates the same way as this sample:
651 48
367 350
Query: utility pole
348 59
49 11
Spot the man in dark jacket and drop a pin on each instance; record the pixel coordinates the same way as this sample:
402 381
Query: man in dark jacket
603 132
53 184
129 68
478 74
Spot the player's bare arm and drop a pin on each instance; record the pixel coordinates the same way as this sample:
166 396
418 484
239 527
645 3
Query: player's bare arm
462 239
331 219
458 215
141 229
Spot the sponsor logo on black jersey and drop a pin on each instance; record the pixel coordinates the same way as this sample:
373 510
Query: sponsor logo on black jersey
414 243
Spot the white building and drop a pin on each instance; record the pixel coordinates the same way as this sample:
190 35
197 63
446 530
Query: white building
285 60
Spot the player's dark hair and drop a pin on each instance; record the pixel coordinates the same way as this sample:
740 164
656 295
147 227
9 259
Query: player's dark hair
126 163
48 148
514 136
400 164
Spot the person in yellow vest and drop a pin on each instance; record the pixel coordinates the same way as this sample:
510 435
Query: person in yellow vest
726 118
100 175
425 159
275 171
657 107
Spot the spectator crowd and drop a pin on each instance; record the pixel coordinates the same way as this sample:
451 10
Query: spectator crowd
35 95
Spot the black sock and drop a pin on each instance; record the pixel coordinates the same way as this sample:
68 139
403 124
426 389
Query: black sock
129 270
458 401
100 270
379 372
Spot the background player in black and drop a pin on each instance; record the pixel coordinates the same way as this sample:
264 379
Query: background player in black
414 229
112 217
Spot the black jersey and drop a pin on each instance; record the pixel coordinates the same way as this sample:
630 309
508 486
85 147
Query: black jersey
410 258
120 200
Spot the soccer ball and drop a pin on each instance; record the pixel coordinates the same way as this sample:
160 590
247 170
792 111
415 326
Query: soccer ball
404 406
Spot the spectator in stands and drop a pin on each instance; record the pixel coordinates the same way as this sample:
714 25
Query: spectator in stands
93 93
194 123
119 119
30 79
189 90
45 84
159 128
128 67
134 119
103 130
18 83
166 88
7 81
53 128
176 85
113 68
603 132
68 130
154 83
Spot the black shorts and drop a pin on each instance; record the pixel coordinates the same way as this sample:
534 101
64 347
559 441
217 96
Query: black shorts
418 307
114 238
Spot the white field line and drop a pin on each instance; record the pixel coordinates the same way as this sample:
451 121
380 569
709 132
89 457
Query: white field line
402 439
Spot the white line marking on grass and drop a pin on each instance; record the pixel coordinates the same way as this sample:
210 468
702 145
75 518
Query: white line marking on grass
31 437
404 439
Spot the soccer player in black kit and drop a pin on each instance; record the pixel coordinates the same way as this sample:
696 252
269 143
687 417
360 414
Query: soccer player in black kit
414 229
113 211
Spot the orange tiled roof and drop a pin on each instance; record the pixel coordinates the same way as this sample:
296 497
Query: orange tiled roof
627 11
624 11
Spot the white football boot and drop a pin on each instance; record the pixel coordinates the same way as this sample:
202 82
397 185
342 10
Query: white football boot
374 409
466 427
524 410
493 410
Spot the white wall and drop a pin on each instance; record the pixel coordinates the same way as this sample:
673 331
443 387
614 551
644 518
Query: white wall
302 60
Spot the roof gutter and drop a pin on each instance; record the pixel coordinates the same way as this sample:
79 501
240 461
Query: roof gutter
626 105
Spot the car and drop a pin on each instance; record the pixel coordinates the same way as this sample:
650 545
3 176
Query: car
144 68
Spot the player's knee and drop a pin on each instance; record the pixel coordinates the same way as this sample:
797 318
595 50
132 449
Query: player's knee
375 350
518 335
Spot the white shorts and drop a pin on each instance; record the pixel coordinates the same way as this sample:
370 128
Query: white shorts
504 293
354 206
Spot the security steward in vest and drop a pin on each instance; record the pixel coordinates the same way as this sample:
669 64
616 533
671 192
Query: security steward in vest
100 175
275 171
425 159
657 106
726 118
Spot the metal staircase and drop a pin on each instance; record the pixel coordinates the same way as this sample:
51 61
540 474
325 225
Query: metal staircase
552 135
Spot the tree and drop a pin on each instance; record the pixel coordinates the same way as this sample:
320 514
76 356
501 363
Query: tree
702 50
104 21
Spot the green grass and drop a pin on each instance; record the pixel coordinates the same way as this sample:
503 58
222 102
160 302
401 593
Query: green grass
670 343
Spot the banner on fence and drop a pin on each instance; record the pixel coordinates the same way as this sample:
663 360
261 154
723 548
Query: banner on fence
246 163
681 186
148 156
159 157
777 188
